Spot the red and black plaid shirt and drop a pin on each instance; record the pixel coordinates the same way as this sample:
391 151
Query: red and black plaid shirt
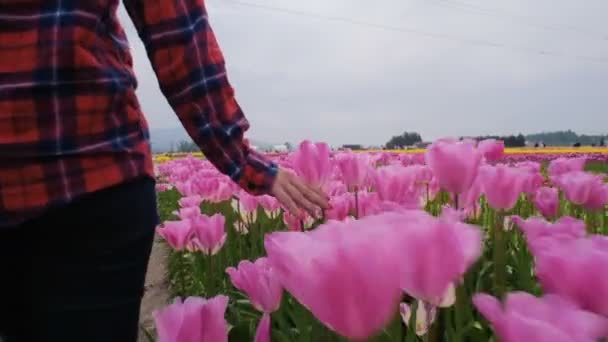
70 122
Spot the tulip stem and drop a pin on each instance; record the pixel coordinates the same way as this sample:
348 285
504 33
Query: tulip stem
357 202
456 201
594 228
460 307
182 278
410 333
210 281
434 331
499 256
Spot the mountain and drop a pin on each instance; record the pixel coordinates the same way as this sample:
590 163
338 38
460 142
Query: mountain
167 139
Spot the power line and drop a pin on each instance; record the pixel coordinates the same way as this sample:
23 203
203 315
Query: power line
524 20
435 35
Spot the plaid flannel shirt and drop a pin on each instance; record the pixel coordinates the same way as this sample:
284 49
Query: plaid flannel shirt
70 122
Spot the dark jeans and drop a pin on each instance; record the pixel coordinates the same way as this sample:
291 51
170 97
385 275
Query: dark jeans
77 273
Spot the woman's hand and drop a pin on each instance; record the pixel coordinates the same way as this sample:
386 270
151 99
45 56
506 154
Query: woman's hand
296 195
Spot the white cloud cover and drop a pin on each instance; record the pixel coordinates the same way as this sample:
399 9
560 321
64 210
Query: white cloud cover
303 77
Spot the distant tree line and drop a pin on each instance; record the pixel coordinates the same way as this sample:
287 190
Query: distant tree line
403 140
185 147
510 140
567 138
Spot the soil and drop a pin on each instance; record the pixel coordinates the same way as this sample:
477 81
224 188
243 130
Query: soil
156 294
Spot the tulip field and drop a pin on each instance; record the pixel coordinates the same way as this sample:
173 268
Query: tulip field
460 242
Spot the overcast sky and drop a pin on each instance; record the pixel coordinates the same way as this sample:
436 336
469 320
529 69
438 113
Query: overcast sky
305 77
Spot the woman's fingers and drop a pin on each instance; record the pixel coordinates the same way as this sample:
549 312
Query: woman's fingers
301 200
285 199
310 193
295 194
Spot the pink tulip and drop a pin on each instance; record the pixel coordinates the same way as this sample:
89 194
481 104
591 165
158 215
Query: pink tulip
452 214
240 227
371 204
190 201
424 316
454 164
339 207
548 319
248 202
176 233
295 223
560 166
469 200
335 188
532 181
493 150
502 185
209 232
354 168
423 174
346 274
432 189
194 320
398 184
381 159
583 188
188 213
539 233
247 206
405 159
223 192
576 269
368 203
258 281
270 204
546 201
184 188
530 166
311 162
161 187
437 254
205 186
598 198
418 159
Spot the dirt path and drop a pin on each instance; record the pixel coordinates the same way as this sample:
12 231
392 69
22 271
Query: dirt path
157 292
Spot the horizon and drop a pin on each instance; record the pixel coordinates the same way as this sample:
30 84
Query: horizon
267 144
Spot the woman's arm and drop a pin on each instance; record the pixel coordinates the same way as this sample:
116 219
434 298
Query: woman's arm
191 72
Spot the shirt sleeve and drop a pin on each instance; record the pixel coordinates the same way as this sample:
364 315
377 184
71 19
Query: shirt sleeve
191 71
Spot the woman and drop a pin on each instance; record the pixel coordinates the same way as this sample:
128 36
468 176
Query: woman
77 199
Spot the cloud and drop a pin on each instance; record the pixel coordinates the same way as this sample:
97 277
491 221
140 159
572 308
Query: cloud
303 77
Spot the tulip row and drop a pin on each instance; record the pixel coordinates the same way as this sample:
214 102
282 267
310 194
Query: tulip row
411 249
599 154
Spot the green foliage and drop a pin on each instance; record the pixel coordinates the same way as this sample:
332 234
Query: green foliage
187 146
403 140
510 140
598 168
